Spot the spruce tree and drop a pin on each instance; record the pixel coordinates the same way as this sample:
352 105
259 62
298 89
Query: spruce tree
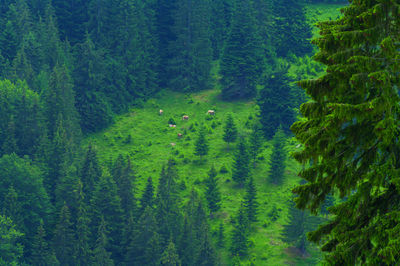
350 132
241 164
275 103
256 142
42 254
90 171
170 256
230 130
220 236
242 60
201 144
213 195
239 239
250 200
278 157
147 196
101 256
64 238
124 177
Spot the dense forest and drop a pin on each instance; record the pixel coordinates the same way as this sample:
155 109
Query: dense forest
178 132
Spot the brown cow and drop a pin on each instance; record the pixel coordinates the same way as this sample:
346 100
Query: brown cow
211 112
185 117
160 112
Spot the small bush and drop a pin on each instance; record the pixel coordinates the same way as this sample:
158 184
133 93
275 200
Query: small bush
186 161
214 125
223 170
171 121
128 139
250 117
209 117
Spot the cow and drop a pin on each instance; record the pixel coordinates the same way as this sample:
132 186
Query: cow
171 125
211 112
180 135
185 117
173 144
160 112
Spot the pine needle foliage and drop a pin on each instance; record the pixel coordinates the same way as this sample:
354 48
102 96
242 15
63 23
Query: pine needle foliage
350 135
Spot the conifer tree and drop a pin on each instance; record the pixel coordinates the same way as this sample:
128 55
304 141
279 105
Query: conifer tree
64 239
170 257
250 200
190 65
10 250
10 144
239 239
42 254
201 144
349 133
220 239
255 142
241 164
221 12
275 103
230 130
147 196
90 172
12 207
213 195
100 254
242 60
124 177
168 214
278 157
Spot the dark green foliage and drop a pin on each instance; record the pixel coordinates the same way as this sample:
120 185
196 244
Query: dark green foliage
278 157
239 239
12 208
144 248
90 172
10 250
190 64
170 257
106 203
291 30
275 103
250 200
147 199
201 144
100 254
64 238
242 60
256 142
42 254
220 239
241 164
350 135
213 195
221 12
230 130
168 214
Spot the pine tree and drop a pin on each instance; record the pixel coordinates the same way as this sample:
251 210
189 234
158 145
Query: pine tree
221 13
250 200
242 60
241 164
100 254
220 239
10 144
147 199
213 195
124 177
291 30
64 239
239 238
12 207
275 103
42 254
230 130
201 144
170 256
278 157
255 142
168 214
349 133
190 65
90 172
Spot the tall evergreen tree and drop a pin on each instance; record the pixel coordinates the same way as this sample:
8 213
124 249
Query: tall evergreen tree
213 195
147 199
64 239
256 142
239 238
90 171
278 157
250 200
230 130
349 133
275 104
221 13
192 52
42 254
100 254
201 144
242 60
170 257
241 164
